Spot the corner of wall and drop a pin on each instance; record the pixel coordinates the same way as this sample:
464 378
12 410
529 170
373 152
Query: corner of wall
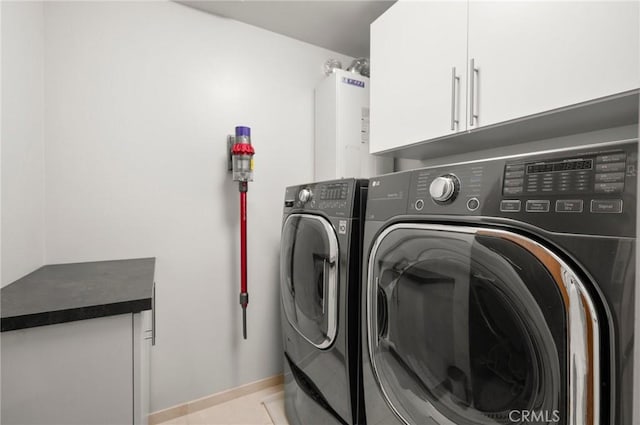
22 135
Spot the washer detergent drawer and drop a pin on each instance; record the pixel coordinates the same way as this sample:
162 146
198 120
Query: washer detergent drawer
479 326
309 276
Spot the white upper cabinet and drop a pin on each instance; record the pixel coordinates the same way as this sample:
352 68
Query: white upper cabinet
414 48
537 56
528 58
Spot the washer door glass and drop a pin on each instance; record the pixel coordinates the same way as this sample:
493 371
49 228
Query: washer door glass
465 328
309 270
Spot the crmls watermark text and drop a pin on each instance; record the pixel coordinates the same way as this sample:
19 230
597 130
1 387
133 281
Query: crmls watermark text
534 417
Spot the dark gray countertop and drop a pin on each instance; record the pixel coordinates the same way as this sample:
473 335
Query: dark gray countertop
66 292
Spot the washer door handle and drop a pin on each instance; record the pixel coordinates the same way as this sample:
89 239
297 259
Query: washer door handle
324 285
325 273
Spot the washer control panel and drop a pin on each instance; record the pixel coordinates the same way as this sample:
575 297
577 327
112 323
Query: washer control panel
335 198
333 195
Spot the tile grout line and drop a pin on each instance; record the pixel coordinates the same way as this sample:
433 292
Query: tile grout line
225 413
186 409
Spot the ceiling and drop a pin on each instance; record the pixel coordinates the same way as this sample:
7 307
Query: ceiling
338 25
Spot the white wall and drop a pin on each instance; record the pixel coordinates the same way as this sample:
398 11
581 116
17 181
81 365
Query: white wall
139 98
22 141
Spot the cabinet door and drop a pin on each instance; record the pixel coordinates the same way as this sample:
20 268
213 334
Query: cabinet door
414 46
76 373
142 335
538 56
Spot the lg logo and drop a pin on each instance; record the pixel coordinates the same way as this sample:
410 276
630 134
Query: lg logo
533 417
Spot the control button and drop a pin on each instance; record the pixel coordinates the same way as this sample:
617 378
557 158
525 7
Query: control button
610 178
304 195
419 204
288 203
609 187
473 204
537 206
514 174
444 188
312 203
513 190
515 167
513 182
614 157
569 205
610 167
610 206
510 206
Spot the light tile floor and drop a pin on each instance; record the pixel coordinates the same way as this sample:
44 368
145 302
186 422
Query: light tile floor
246 410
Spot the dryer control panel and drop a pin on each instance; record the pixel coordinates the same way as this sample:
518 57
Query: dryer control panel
587 190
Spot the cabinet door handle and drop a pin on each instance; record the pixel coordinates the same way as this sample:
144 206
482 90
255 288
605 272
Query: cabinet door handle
473 72
153 315
454 79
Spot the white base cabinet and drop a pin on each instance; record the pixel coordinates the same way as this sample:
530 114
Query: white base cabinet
529 57
85 372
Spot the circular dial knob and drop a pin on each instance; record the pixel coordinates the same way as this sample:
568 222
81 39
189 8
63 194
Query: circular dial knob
305 195
444 188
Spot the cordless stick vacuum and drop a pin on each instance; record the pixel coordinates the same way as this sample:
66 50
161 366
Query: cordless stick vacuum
242 153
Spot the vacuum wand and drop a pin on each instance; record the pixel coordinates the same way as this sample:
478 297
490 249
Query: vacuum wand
244 295
242 158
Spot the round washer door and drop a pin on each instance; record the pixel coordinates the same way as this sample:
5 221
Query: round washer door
479 326
308 277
